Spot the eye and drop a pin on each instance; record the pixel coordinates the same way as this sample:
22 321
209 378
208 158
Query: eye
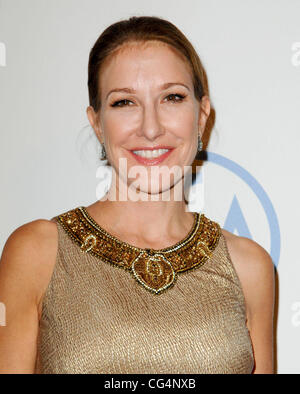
120 103
173 95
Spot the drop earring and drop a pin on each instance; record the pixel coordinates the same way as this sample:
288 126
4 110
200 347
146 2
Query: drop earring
103 152
200 143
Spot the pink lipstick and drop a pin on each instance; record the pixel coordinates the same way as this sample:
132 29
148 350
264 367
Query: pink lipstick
151 161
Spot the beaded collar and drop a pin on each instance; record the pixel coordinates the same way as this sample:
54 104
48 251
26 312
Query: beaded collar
155 269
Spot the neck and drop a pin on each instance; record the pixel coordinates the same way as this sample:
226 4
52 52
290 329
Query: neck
147 221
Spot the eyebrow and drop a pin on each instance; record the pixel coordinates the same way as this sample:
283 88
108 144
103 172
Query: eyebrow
162 87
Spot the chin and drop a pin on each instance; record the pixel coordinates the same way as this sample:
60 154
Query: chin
153 190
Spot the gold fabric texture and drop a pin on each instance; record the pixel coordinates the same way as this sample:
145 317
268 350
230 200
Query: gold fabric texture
97 318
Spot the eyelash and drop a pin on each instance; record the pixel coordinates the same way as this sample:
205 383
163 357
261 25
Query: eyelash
181 98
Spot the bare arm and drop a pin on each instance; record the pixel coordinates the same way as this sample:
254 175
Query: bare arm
256 272
26 259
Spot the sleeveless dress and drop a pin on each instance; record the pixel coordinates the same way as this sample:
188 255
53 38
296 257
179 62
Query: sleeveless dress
112 308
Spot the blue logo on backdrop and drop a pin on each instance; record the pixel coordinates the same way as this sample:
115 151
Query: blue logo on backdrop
235 219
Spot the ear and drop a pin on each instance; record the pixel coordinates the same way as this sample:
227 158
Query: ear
94 122
204 112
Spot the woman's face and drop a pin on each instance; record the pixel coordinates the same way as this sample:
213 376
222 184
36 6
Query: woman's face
147 103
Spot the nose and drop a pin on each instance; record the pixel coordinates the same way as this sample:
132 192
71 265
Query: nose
150 127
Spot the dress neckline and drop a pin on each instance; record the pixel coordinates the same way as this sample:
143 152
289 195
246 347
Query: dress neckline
155 269
197 220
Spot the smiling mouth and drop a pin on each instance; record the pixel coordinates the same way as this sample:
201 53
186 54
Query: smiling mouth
151 156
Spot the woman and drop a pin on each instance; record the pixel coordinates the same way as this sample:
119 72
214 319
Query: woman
189 297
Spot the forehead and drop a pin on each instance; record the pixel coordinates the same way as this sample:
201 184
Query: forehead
151 62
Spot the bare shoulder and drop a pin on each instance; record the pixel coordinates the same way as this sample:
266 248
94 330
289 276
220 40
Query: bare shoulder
30 254
247 249
26 264
255 270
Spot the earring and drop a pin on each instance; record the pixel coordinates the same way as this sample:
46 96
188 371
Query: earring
103 153
200 143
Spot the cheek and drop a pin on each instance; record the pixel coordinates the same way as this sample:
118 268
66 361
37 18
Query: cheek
183 124
122 117
115 130
184 130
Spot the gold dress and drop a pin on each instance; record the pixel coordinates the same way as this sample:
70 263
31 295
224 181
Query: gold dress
113 308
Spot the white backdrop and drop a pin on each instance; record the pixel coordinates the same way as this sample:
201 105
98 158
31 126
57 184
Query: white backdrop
251 52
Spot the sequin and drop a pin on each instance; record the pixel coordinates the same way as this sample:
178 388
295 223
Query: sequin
155 270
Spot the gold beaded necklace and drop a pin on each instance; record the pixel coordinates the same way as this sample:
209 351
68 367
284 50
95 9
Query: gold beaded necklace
155 269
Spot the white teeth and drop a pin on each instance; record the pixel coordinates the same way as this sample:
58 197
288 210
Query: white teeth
150 153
